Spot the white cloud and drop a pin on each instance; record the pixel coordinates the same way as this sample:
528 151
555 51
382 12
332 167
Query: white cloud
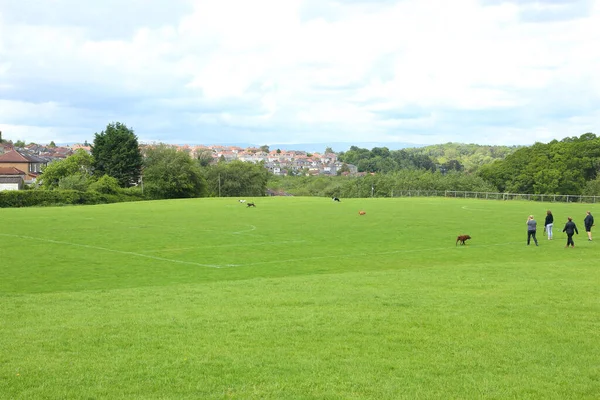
421 71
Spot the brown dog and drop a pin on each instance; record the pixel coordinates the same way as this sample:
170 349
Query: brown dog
362 212
462 239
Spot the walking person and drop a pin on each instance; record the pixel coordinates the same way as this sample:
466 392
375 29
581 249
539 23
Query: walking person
548 223
531 228
570 229
588 222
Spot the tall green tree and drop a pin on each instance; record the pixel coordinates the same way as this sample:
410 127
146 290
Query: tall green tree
117 153
171 174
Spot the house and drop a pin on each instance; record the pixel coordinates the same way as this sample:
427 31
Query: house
6 147
30 165
11 178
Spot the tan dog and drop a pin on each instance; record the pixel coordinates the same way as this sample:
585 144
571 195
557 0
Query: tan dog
462 239
362 212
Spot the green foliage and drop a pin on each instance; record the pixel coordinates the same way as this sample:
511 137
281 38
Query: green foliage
52 144
470 156
558 167
19 143
205 157
36 198
236 178
116 153
171 174
379 185
382 160
74 182
79 164
592 188
106 185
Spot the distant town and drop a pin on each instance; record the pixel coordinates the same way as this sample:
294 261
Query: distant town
278 161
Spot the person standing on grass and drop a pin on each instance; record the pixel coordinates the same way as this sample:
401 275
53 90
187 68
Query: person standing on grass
570 229
531 228
588 222
548 223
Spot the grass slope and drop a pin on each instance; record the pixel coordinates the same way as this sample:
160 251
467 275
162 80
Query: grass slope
296 298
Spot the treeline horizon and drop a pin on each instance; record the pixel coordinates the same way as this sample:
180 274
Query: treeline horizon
119 167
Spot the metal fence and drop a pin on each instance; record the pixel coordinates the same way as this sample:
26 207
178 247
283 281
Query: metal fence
497 196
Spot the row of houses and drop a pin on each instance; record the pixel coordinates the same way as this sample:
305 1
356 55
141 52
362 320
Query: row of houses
279 162
21 166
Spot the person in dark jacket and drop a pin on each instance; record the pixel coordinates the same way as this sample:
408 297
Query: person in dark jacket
548 224
570 229
588 222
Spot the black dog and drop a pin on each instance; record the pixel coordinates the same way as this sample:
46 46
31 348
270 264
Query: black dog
251 204
335 199
462 239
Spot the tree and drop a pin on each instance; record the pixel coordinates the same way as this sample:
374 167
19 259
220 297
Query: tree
1 140
20 143
52 144
237 178
329 150
106 185
171 174
264 148
205 157
453 165
116 153
343 169
79 164
74 182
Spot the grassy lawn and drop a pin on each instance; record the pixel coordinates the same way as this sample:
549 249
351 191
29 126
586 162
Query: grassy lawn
298 298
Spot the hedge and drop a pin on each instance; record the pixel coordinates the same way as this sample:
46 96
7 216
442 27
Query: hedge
31 198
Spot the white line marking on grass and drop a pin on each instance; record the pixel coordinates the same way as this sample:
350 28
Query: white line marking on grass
225 245
253 228
87 246
473 209
360 255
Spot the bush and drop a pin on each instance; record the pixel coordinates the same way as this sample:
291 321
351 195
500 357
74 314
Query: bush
31 198
106 184
74 182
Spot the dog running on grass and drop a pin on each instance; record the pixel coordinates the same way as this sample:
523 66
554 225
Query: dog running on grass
462 239
335 199
251 204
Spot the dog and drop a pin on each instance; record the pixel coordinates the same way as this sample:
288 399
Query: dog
462 239
242 201
362 212
251 205
335 199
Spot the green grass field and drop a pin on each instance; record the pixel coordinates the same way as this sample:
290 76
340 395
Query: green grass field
298 298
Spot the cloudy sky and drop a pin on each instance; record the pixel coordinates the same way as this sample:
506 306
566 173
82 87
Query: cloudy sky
301 71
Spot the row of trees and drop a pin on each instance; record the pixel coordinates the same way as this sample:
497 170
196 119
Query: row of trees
569 166
379 185
443 158
117 162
